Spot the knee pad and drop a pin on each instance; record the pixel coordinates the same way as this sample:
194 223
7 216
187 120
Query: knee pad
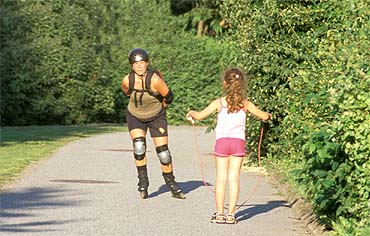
139 148
164 154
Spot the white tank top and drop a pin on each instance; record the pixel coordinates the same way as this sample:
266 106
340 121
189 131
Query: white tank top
230 125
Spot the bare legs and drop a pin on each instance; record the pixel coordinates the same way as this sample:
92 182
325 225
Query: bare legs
222 164
227 168
235 164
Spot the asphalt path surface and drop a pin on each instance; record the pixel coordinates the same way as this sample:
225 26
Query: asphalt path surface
88 187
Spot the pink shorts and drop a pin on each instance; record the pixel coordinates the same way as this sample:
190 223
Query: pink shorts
229 147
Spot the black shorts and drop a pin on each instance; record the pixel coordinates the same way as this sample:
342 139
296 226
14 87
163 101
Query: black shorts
157 125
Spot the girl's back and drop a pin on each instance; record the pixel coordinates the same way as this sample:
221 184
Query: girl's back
230 124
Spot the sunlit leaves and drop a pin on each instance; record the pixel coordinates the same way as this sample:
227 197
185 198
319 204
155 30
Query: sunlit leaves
320 54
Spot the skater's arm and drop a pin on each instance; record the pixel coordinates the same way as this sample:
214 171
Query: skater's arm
125 85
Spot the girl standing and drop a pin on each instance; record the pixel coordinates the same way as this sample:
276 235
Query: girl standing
230 139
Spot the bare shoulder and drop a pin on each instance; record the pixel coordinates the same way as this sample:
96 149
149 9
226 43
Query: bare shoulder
125 78
245 103
156 79
248 105
159 85
216 104
125 84
217 101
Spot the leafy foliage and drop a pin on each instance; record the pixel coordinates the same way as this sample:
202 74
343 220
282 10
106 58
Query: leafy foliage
203 16
309 66
308 63
63 61
52 54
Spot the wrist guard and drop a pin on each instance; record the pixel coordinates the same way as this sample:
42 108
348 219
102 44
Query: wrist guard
169 97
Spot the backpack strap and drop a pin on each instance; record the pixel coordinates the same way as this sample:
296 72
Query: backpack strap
131 82
148 79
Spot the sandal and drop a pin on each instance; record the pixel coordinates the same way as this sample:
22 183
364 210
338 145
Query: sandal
230 219
218 218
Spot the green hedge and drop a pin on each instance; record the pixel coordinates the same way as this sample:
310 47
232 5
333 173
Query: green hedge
62 61
53 54
310 64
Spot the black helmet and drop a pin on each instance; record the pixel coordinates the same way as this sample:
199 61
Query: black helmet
137 54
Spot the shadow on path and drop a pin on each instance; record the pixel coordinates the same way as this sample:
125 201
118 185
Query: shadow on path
186 187
30 226
18 206
257 209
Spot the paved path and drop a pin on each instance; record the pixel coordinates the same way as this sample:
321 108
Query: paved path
89 188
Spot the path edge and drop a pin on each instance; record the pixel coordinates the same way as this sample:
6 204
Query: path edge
302 208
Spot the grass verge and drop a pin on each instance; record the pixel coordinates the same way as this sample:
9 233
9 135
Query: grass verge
22 146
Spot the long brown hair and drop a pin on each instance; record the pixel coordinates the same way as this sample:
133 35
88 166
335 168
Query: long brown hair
234 85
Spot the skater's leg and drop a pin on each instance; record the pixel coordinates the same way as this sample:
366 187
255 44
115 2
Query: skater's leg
164 155
176 191
165 158
143 183
139 146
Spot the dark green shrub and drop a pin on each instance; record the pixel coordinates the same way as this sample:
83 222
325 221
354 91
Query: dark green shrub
48 48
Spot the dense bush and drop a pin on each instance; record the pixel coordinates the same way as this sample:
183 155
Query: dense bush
310 64
62 61
52 57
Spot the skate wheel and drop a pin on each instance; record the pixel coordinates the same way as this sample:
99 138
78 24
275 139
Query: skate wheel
179 195
144 194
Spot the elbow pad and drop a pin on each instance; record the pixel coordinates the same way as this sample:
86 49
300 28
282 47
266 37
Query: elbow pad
169 97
